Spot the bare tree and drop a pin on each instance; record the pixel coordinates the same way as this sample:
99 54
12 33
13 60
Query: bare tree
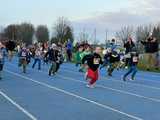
42 33
63 30
83 37
124 33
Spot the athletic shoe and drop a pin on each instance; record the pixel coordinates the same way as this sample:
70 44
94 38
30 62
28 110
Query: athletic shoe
123 78
126 67
132 78
90 86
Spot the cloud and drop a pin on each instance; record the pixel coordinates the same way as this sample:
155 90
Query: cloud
138 13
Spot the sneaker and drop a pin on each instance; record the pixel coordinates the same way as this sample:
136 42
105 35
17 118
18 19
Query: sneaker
109 74
123 78
126 67
132 78
90 86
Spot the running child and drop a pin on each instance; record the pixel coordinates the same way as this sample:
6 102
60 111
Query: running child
133 61
23 56
3 53
37 58
93 61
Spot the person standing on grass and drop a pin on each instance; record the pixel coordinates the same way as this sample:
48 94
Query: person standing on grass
133 61
3 54
151 50
93 61
155 46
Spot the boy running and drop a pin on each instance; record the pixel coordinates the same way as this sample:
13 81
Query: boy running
93 61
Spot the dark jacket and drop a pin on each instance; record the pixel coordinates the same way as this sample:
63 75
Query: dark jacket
150 47
53 55
134 59
10 45
112 57
129 46
93 61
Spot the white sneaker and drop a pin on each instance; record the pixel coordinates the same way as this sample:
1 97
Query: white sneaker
132 79
126 67
90 86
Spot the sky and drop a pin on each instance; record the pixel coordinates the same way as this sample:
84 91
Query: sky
85 15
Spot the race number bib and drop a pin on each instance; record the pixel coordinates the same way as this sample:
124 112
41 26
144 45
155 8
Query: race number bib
23 54
135 59
96 61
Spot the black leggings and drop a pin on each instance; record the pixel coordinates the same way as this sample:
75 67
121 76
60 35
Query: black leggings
1 67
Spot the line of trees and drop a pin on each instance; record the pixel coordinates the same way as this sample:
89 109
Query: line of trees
26 32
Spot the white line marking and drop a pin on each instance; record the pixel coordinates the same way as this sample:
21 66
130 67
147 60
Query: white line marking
76 96
109 88
152 74
120 91
18 106
114 80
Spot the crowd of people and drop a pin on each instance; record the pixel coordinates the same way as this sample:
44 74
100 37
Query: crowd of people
89 59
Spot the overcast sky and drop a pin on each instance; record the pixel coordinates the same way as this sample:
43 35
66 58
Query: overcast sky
83 14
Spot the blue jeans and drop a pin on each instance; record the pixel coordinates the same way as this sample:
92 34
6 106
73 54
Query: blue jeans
39 63
133 70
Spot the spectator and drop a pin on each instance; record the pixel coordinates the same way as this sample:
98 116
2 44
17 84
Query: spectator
151 50
69 50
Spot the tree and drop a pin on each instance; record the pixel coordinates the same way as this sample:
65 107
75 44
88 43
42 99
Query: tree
11 32
26 32
42 33
63 30
124 33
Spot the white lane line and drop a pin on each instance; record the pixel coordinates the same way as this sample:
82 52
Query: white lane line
76 96
108 88
112 89
152 74
158 76
114 80
18 106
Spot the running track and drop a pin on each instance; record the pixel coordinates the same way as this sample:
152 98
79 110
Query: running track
36 96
